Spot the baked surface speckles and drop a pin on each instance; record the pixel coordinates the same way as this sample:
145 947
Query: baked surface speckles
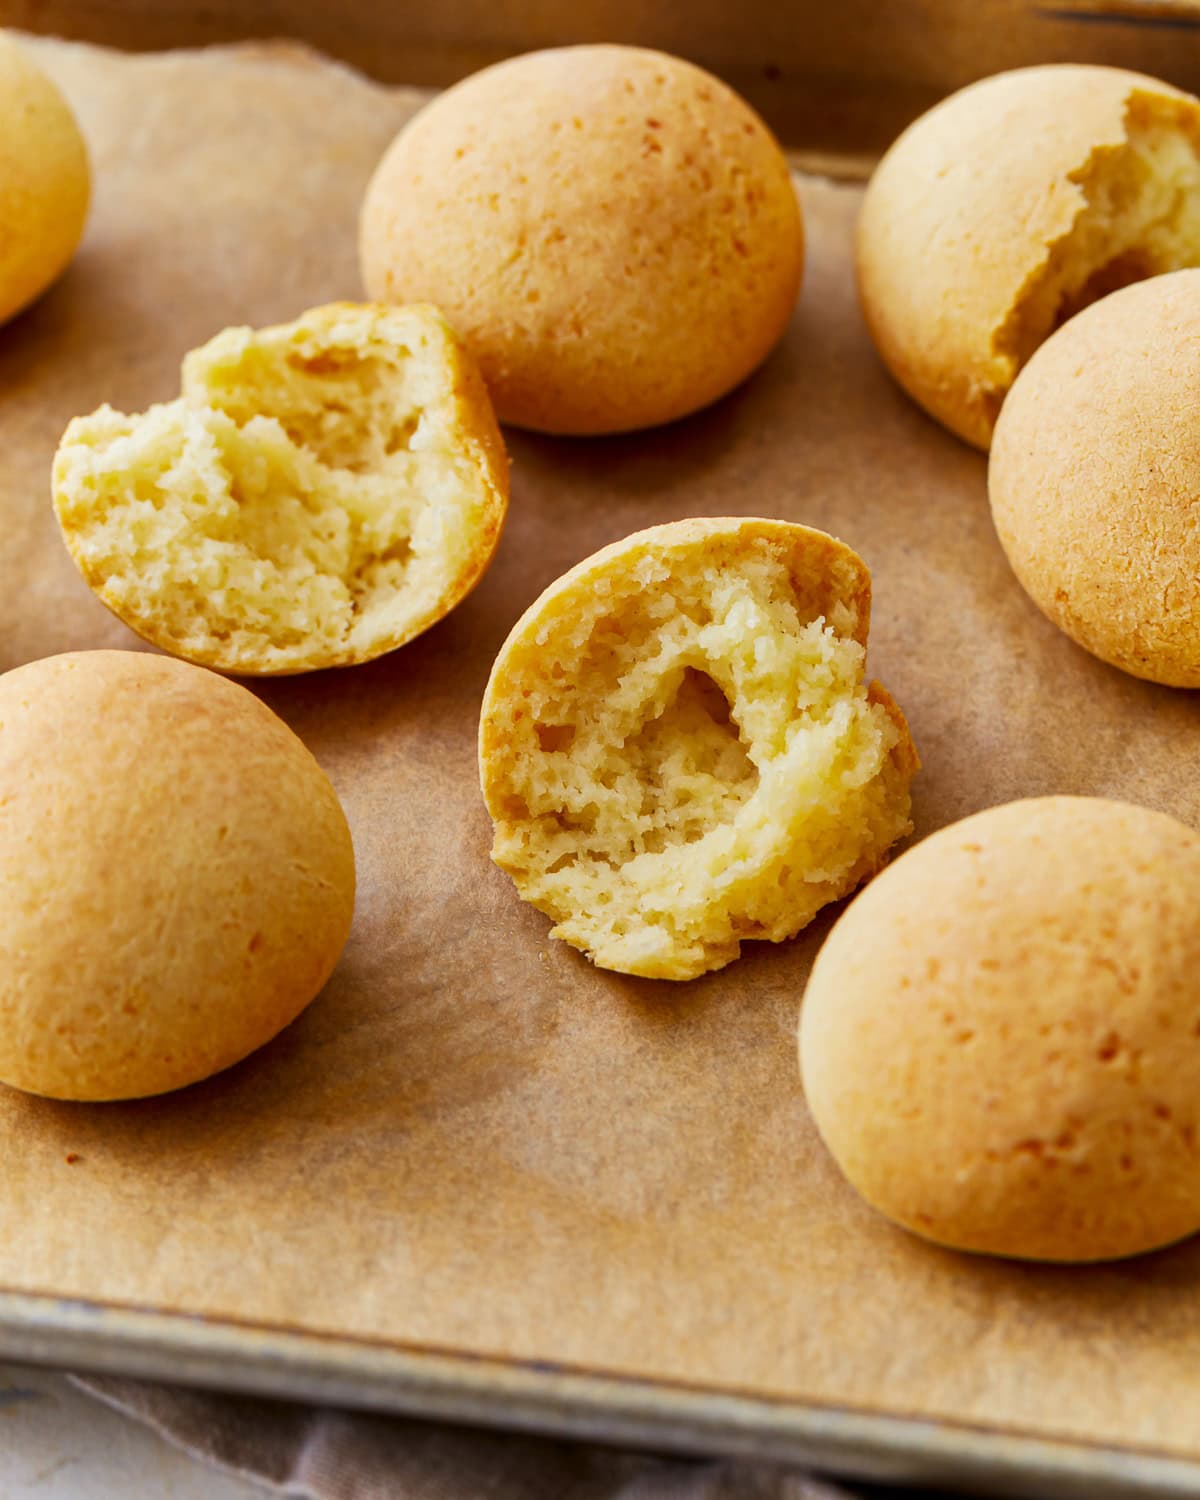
612 231
1094 479
1000 1040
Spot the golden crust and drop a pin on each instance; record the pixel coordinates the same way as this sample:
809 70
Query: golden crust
905 752
1094 479
977 208
999 1041
45 182
648 716
227 385
176 875
613 232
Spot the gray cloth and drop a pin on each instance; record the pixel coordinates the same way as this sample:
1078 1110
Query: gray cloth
330 1455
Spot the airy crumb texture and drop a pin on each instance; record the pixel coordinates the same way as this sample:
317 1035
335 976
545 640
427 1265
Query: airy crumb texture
322 492
1010 207
679 750
1000 1039
1140 218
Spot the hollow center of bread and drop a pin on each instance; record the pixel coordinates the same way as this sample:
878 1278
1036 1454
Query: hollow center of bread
1140 218
353 409
299 503
704 765
691 767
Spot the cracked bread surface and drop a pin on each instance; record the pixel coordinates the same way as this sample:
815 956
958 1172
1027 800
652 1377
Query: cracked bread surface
1007 209
1000 1039
679 748
321 492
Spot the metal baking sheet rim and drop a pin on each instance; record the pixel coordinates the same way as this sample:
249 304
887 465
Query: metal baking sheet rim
562 1402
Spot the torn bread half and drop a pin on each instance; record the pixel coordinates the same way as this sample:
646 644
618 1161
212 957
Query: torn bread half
680 750
321 492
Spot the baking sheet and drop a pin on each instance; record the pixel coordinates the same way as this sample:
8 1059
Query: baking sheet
473 1141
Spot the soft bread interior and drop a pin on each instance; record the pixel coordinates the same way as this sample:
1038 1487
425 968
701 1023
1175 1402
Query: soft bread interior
695 763
311 499
1140 218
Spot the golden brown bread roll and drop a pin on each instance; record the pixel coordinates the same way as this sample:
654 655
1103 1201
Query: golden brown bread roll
45 183
1000 1040
176 875
322 492
1094 479
680 750
612 231
1006 209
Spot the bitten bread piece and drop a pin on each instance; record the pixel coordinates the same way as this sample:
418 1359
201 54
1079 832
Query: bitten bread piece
679 750
1006 209
45 183
612 231
176 875
323 492
1000 1040
1094 479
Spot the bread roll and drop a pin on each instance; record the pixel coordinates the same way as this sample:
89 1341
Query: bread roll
1000 1040
321 493
1007 208
176 875
45 183
612 231
1094 479
679 749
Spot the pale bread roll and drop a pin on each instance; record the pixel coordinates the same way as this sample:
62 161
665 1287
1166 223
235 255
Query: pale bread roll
1094 479
45 182
176 875
1000 1040
1010 206
612 231
680 750
322 492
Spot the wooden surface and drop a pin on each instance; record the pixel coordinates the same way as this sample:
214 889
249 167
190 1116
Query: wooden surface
836 77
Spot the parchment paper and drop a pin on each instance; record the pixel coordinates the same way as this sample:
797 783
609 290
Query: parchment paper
472 1139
